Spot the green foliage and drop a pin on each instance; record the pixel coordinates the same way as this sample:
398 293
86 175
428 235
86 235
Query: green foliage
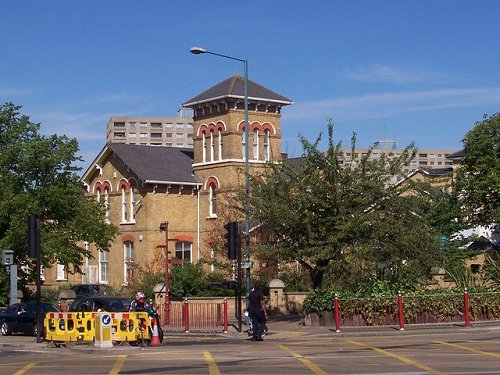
186 280
147 282
324 213
479 175
438 305
492 271
38 176
318 301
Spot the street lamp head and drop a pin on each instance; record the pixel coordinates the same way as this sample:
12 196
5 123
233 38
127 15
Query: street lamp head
163 226
197 50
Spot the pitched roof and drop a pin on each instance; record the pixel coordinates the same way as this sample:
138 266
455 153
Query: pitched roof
457 155
161 165
234 87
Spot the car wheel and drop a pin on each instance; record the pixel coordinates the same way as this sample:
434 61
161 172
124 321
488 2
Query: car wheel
5 329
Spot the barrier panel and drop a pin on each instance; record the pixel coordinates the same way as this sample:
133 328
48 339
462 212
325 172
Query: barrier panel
81 326
61 326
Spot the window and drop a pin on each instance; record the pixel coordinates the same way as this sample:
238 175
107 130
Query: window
143 124
183 251
256 144
190 125
156 135
213 201
103 265
168 135
128 261
156 125
119 134
60 272
179 125
144 135
131 124
220 144
119 124
422 155
212 146
169 125
243 147
132 135
179 135
106 204
267 152
204 140
132 204
124 205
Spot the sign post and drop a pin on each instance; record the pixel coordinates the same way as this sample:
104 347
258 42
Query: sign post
103 330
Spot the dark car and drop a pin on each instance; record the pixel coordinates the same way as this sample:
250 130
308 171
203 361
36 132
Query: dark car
89 290
21 317
111 304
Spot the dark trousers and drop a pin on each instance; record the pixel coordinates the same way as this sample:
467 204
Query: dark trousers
258 322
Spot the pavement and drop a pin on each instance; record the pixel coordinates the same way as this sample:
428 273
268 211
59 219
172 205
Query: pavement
279 330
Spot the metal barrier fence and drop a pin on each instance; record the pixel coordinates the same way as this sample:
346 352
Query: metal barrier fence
414 309
187 316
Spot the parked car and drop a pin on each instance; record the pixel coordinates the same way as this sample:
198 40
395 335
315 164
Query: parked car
89 290
21 317
111 304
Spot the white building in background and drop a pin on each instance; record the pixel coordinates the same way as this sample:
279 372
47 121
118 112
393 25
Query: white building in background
151 131
424 159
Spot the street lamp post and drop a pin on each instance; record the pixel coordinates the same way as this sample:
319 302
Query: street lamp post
198 51
166 307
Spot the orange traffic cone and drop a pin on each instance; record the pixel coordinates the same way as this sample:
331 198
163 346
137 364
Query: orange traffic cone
155 340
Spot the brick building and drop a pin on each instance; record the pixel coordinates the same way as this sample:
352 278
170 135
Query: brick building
143 186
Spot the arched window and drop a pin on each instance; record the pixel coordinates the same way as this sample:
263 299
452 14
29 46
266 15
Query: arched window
124 204
256 144
128 261
213 201
212 146
183 251
243 144
267 146
220 144
132 204
106 203
204 140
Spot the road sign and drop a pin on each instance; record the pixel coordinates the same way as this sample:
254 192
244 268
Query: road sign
106 320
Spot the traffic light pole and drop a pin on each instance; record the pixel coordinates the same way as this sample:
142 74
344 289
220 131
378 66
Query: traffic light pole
238 290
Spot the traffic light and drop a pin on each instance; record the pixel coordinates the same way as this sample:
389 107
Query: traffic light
33 235
233 242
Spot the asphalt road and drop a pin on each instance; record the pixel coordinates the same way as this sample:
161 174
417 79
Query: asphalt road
292 352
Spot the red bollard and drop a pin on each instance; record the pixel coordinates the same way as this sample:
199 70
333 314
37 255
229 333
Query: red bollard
186 314
225 315
337 313
466 308
401 312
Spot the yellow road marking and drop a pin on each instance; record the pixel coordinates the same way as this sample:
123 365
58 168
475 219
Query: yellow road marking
212 366
398 357
120 360
25 368
313 367
469 349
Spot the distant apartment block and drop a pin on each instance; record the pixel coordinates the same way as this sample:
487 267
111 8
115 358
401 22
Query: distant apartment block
431 159
151 131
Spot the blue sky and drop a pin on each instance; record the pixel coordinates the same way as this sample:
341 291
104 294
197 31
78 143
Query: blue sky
422 70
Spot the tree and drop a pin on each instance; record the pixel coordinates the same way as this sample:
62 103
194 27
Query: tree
38 176
479 175
324 213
